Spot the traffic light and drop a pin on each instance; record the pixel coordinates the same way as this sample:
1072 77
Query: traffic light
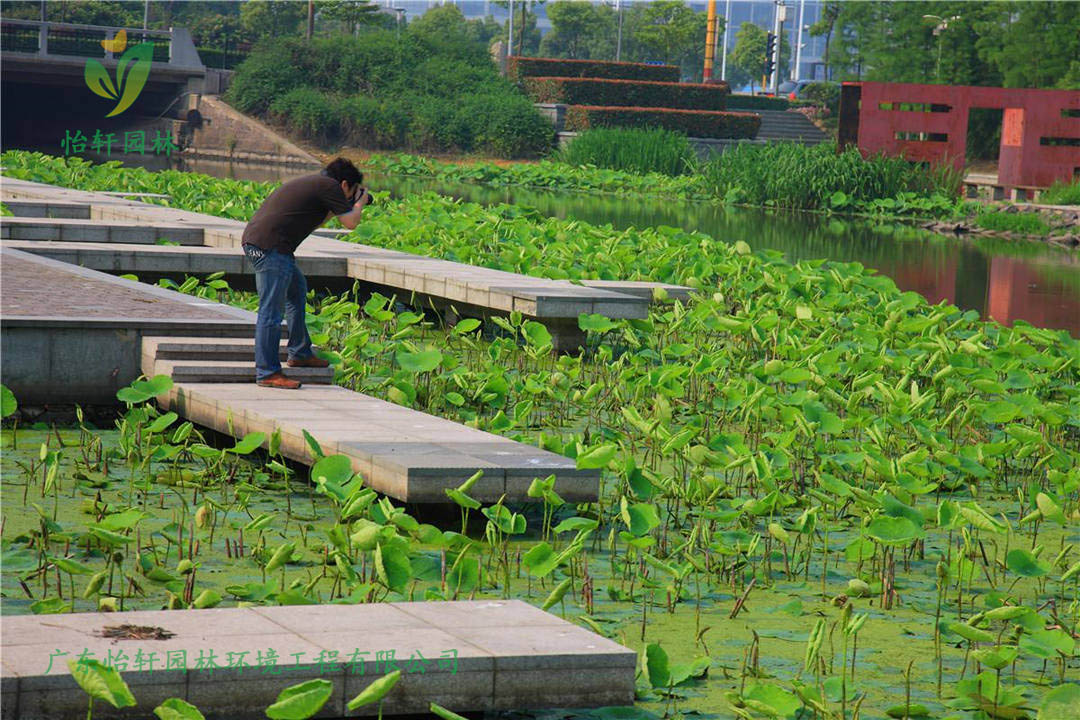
770 50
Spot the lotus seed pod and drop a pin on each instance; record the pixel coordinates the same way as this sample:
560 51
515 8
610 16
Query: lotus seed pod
95 584
185 566
942 572
201 515
106 604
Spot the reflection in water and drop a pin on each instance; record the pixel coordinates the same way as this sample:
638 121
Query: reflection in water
1006 281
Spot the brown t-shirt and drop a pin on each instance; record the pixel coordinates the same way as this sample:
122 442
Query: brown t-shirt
293 211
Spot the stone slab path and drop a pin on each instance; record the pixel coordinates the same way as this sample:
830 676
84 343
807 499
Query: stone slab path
468 656
408 455
403 453
34 288
446 281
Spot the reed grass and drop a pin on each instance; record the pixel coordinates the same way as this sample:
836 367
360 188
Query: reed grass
1062 194
792 175
632 150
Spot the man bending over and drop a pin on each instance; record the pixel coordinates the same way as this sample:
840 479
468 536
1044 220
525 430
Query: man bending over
288 215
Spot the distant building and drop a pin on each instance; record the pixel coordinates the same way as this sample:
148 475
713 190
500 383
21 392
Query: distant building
759 12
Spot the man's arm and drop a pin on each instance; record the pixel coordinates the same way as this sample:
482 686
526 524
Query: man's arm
352 218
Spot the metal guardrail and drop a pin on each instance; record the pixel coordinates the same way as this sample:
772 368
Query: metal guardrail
52 39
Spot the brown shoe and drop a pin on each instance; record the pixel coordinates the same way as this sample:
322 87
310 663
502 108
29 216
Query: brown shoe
309 361
278 380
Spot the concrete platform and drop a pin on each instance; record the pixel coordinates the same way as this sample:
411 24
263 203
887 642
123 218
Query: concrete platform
468 656
403 453
642 288
156 259
72 335
46 208
395 271
69 229
125 258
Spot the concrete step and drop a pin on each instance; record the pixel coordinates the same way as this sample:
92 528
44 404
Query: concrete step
47 209
211 370
783 125
102 231
202 348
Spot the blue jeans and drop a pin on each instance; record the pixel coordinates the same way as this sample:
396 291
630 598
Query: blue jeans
282 290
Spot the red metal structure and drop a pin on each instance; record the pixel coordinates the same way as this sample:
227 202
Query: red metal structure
1040 130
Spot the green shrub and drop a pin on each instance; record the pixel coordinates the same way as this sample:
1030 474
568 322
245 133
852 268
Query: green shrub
757 102
215 58
420 93
695 123
1061 193
629 93
826 95
308 112
638 151
1017 222
793 175
518 68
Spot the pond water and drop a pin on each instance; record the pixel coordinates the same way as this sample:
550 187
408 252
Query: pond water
1003 280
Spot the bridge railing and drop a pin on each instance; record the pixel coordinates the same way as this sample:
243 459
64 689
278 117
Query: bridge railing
53 39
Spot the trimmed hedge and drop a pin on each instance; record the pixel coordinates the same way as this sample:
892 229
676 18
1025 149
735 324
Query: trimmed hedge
757 102
626 93
518 68
695 123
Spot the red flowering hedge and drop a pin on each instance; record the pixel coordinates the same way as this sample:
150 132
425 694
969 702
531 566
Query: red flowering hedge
519 68
626 93
695 123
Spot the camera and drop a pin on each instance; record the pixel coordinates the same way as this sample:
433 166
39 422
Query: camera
359 195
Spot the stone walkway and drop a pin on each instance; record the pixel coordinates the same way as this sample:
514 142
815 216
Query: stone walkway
37 287
449 282
468 656
408 455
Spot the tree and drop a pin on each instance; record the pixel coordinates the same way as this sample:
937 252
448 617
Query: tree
1032 44
825 25
575 25
526 35
351 14
746 61
267 18
212 31
668 30
441 21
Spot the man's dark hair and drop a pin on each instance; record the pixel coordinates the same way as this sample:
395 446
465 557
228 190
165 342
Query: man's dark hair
342 169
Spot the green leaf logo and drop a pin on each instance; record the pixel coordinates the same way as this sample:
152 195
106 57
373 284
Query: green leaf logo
131 72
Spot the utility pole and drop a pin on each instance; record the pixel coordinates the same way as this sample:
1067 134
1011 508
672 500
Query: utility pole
727 26
145 14
798 42
510 31
618 41
941 27
778 26
710 41
310 18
